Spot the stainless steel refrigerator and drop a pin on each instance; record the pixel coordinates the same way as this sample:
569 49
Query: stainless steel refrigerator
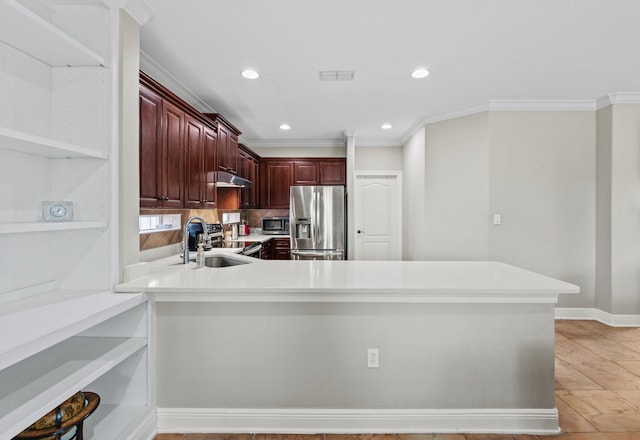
317 222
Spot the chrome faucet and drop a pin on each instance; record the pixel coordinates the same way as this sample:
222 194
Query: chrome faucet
185 238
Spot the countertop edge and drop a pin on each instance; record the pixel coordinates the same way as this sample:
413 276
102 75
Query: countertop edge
355 296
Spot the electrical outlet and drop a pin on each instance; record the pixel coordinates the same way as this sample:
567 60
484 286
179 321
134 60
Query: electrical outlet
373 358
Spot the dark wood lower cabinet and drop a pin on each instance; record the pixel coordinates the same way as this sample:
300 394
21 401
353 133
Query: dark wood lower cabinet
276 249
281 249
267 250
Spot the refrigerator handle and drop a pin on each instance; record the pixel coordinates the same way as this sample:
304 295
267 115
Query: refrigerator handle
316 215
316 254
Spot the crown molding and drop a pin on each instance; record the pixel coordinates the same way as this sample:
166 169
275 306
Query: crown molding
542 105
138 10
524 105
149 66
452 114
377 143
297 143
618 98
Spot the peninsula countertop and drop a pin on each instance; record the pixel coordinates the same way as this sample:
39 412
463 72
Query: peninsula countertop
351 281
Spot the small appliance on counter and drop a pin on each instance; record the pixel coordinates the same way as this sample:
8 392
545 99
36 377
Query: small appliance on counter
196 233
231 221
243 229
275 225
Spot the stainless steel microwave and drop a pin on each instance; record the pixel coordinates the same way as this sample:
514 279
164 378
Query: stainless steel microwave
275 225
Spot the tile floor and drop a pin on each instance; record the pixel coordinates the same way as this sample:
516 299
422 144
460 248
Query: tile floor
597 391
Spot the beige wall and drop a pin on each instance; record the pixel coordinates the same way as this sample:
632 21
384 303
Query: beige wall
603 209
300 151
542 182
536 169
378 158
625 209
413 193
457 189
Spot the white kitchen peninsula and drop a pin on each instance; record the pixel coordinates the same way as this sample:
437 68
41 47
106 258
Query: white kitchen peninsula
281 346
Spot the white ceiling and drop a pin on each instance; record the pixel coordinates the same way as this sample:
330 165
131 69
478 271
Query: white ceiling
475 50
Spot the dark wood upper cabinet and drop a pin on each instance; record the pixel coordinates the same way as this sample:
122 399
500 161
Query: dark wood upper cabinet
181 150
276 176
178 148
320 171
332 172
248 165
305 172
172 153
210 164
149 150
199 147
227 146
193 141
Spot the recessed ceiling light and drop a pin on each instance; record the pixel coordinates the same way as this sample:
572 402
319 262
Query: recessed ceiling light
420 73
386 126
285 127
250 74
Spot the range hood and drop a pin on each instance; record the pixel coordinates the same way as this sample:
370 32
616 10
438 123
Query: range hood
228 180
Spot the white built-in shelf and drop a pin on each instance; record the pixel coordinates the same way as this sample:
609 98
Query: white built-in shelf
115 421
35 36
40 321
30 227
33 387
41 146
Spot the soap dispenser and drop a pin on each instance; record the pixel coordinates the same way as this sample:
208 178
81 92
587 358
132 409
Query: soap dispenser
200 255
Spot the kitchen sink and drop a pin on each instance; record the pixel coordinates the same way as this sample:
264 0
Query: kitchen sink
222 261
218 261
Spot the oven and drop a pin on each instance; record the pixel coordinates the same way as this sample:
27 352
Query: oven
252 250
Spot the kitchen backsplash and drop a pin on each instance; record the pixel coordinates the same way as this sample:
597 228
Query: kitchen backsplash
255 216
165 238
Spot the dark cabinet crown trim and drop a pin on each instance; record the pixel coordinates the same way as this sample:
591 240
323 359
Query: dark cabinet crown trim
168 95
217 118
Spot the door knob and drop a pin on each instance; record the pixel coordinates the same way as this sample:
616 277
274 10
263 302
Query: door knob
360 232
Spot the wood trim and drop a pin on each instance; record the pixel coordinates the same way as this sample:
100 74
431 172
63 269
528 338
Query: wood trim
219 119
249 151
174 99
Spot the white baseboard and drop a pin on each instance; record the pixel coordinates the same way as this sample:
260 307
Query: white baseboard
146 429
305 421
598 315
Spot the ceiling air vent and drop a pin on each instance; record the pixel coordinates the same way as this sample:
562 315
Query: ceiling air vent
337 75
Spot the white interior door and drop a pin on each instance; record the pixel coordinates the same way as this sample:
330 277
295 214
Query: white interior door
378 216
